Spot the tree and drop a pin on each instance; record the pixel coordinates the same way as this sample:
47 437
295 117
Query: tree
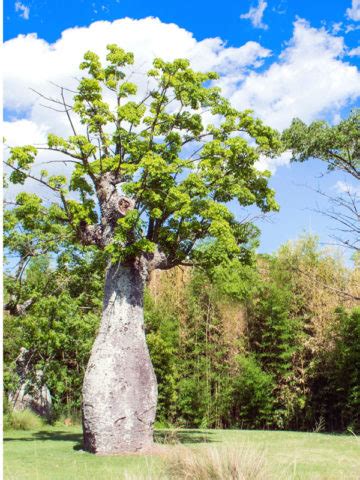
152 181
339 147
64 303
344 209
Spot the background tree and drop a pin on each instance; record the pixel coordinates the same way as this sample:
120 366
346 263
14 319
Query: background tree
151 181
339 147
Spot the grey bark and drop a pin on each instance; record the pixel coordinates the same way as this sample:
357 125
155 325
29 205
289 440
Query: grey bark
31 393
120 388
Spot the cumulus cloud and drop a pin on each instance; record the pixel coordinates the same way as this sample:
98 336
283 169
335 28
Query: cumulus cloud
271 164
353 13
308 80
23 9
255 15
32 63
30 132
354 52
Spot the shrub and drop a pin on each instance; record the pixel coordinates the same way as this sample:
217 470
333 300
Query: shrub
22 420
252 394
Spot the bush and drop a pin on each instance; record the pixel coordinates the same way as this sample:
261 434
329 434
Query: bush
252 394
22 420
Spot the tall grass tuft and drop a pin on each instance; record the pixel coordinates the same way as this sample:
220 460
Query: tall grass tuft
230 463
210 463
22 420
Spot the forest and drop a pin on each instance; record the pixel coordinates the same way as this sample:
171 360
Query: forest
270 344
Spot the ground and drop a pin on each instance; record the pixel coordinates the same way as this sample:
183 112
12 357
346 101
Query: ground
55 453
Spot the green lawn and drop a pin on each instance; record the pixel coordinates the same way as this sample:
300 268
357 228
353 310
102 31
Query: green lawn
54 453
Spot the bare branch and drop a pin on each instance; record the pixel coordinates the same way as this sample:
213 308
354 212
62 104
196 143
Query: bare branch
328 287
67 112
50 99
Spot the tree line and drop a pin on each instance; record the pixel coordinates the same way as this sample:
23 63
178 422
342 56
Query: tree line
271 344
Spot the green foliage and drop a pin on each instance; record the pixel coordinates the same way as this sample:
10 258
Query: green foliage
59 327
22 420
253 400
286 367
50 331
275 338
180 172
346 374
272 331
338 145
336 393
236 346
163 340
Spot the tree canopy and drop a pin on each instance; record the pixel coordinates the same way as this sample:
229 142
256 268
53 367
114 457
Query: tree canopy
337 145
153 176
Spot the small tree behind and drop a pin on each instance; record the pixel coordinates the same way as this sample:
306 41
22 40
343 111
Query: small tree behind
151 183
339 147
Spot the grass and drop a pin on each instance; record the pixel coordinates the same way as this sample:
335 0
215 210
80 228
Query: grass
54 453
215 463
22 420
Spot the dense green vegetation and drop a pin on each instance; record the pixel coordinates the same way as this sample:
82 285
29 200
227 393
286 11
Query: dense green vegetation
272 345
336 145
55 452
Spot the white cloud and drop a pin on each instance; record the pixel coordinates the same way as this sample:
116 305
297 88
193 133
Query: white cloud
308 80
255 15
354 52
265 163
32 62
336 118
25 11
336 27
352 28
31 132
354 12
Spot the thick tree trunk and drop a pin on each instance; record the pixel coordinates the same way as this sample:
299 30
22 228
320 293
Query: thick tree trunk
120 389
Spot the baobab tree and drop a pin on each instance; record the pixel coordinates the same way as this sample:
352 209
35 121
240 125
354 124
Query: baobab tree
157 182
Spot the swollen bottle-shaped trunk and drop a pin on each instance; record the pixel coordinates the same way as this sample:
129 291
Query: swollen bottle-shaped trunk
120 389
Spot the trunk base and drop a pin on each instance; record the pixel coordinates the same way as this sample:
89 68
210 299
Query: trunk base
104 446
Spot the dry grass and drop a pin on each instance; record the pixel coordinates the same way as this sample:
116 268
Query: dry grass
216 464
210 463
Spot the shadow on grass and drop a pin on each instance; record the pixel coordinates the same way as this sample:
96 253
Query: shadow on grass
164 437
57 436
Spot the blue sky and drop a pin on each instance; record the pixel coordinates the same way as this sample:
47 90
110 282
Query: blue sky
203 18
283 58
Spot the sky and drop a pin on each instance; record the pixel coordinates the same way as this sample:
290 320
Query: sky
282 58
